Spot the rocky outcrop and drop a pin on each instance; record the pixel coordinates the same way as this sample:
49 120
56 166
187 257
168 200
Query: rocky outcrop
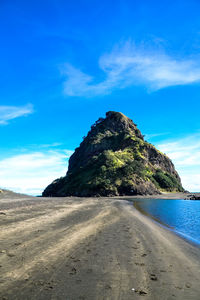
114 159
195 196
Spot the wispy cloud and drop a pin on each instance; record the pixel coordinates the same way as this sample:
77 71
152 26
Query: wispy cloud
149 136
30 173
185 153
8 113
129 66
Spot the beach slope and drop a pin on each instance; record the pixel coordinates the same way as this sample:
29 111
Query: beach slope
90 248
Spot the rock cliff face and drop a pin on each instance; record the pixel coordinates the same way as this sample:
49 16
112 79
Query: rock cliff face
114 160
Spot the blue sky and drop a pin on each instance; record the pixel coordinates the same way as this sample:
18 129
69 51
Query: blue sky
65 63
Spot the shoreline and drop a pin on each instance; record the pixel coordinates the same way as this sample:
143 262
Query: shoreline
185 237
91 248
164 196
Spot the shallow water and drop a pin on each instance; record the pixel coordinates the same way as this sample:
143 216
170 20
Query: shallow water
182 216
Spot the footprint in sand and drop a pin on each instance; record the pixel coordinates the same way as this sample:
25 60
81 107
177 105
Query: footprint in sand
108 287
73 271
10 254
140 264
153 277
143 255
17 244
141 292
49 286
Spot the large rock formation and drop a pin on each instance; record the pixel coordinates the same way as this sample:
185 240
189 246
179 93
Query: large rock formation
113 160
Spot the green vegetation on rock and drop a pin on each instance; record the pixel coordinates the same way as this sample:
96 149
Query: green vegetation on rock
113 160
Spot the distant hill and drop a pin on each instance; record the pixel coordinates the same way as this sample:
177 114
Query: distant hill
7 194
114 159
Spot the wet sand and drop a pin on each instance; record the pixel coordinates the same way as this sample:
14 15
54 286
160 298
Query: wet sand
91 248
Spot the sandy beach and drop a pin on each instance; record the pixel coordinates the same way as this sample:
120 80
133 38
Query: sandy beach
91 248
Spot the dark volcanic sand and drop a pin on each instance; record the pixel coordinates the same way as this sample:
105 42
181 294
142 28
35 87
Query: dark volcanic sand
90 248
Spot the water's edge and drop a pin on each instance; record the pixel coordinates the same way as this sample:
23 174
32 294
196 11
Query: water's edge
186 237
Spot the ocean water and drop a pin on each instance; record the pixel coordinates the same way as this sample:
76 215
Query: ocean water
181 216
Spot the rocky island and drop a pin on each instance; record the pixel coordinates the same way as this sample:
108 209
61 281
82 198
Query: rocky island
114 159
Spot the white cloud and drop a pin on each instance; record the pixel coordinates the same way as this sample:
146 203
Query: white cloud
128 66
149 136
185 154
30 173
8 113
